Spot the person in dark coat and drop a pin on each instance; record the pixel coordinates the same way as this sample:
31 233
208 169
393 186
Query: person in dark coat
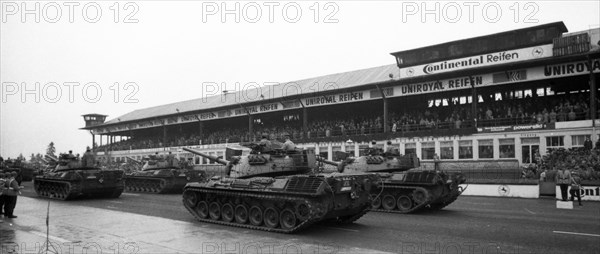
587 144
3 179
10 196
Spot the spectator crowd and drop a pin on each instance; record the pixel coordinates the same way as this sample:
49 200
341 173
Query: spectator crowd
436 116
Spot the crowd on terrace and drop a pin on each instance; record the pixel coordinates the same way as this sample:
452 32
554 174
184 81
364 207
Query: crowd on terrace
583 160
439 115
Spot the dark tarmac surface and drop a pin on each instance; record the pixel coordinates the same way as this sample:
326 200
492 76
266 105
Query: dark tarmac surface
152 223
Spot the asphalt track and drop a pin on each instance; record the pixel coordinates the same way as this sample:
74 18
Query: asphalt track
469 225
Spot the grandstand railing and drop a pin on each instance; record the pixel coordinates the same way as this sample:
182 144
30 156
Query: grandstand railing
337 134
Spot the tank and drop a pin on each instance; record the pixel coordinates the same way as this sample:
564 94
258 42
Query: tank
160 175
11 165
277 191
402 188
73 178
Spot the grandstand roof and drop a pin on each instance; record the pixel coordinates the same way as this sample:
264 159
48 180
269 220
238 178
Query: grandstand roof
307 87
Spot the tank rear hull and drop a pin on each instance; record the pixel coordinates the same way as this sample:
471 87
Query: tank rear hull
71 184
283 204
414 191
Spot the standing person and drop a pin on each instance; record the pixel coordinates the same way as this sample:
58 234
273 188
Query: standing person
576 187
563 179
288 145
265 143
2 190
436 162
390 150
587 143
88 159
11 196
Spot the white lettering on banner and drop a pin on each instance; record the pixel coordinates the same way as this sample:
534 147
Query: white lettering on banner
509 56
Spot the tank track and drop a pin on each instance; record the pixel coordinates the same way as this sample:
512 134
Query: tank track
419 198
447 201
309 206
61 190
353 218
150 185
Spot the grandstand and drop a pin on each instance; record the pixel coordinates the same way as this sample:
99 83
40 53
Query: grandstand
534 88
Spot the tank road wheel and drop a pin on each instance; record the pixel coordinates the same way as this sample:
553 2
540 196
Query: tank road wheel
376 201
388 202
271 217
302 211
404 203
241 214
227 212
202 209
190 198
256 216
214 211
288 219
419 196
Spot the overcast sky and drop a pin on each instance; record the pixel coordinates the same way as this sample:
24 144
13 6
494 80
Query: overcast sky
161 52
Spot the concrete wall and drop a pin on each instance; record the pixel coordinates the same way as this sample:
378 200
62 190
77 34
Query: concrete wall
590 193
509 164
502 190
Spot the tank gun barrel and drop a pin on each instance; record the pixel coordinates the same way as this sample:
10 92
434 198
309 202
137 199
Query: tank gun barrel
134 160
326 161
50 157
210 157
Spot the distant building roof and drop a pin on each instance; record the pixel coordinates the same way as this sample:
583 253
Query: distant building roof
306 86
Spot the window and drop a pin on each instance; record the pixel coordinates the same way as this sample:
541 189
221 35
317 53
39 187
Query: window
427 150
486 149
577 140
555 142
447 150
507 148
465 149
350 150
323 152
362 150
410 148
336 151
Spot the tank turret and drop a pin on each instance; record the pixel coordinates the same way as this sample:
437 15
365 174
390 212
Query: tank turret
278 191
276 162
70 178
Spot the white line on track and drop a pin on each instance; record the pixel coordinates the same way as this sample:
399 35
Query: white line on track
529 211
574 233
130 194
58 239
116 202
344 229
112 207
